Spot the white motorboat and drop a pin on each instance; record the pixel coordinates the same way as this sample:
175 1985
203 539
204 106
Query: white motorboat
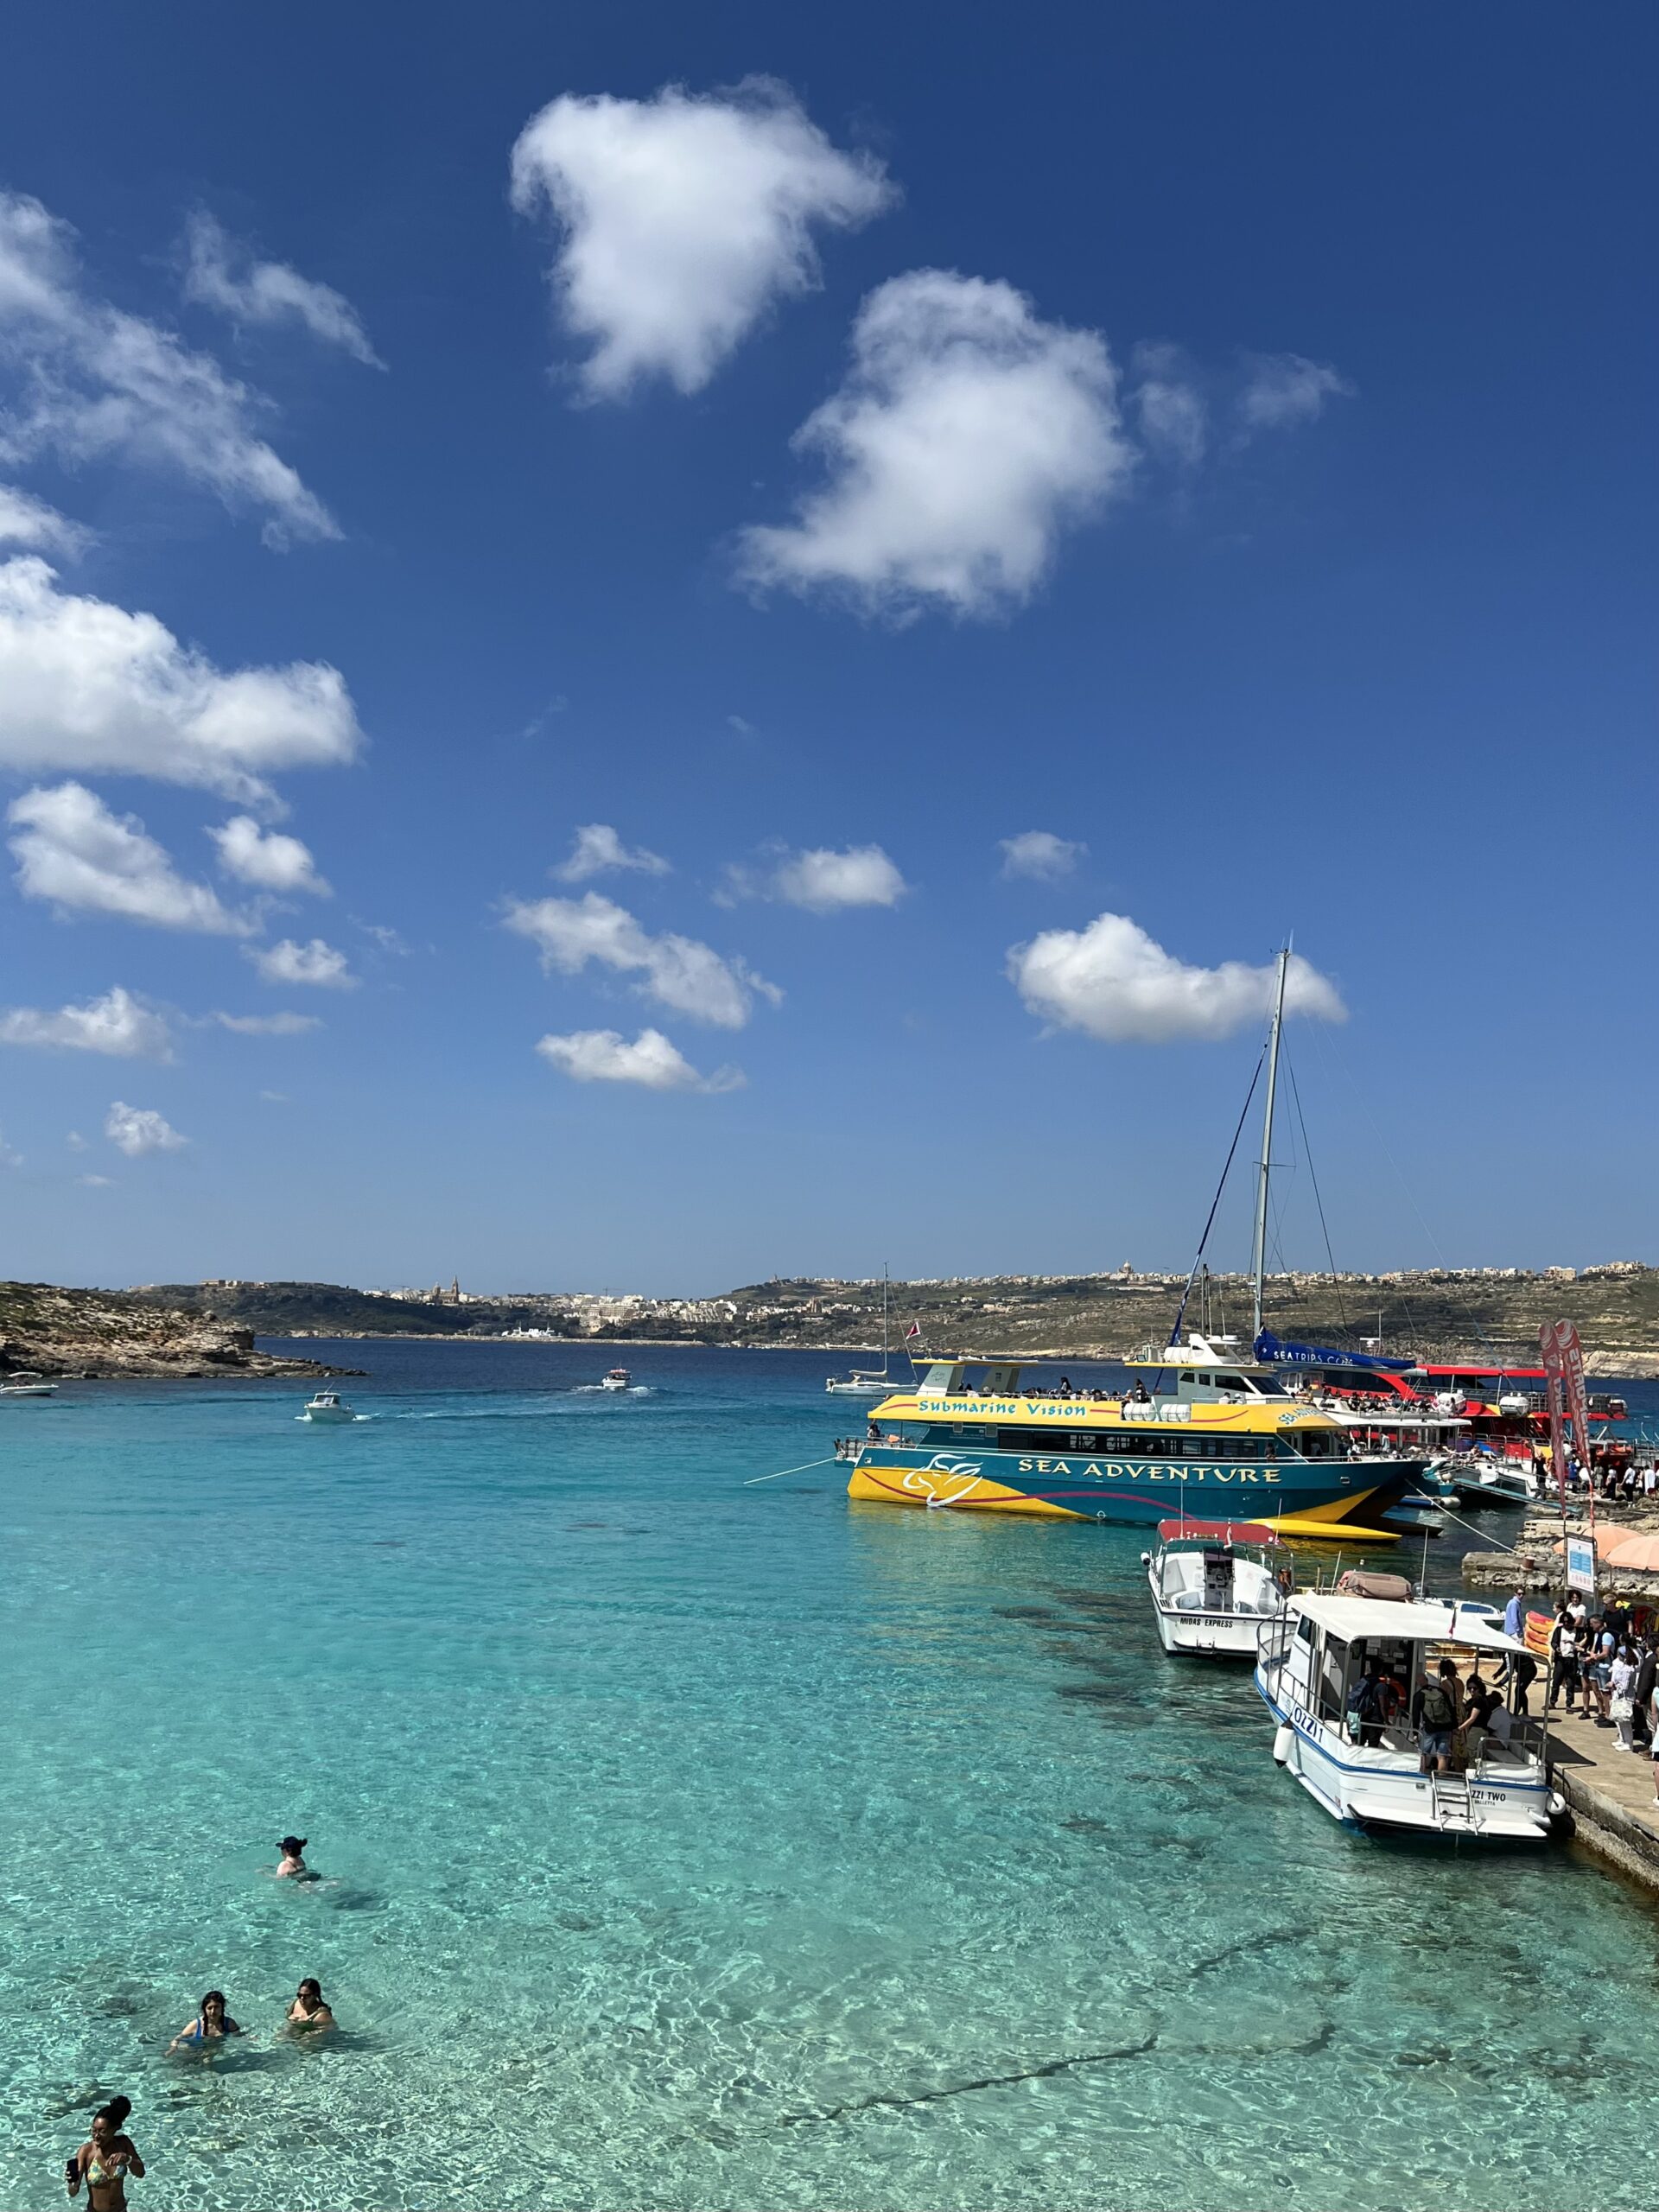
1215 1584
1369 1771
617 1378
327 1406
25 1383
868 1382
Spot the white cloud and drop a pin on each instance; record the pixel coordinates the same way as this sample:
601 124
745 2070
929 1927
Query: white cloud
684 217
90 380
1284 389
1040 855
605 1056
87 686
1169 406
70 849
968 436
266 858
96 1182
822 880
138 1129
117 1024
267 1025
223 274
75 1141
315 962
8 1157
25 520
678 971
1113 982
598 847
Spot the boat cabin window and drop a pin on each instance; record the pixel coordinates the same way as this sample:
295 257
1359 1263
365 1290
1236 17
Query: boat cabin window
1333 1678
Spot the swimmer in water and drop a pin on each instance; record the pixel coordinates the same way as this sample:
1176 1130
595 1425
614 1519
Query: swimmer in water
105 2161
211 2025
292 1866
308 2010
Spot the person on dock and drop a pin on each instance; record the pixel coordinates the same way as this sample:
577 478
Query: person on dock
1647 1673
309 2010
105 2160
1515 1614
1621 1675
1563 1659
211 2025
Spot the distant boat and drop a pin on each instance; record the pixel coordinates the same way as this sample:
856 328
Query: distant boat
618 1378
28 1384
865 1382
327 1406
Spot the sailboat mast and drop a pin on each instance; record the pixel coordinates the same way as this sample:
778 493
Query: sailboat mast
1259 1254
885 1353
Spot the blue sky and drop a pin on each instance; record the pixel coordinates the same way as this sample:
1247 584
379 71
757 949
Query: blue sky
738 638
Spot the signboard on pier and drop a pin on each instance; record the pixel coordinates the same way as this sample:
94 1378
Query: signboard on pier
1581 1564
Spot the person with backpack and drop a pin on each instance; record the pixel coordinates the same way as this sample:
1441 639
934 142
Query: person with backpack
1368 1707
1435 1716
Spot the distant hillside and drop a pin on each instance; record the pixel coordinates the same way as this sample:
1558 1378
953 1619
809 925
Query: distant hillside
104 1334
1436 1314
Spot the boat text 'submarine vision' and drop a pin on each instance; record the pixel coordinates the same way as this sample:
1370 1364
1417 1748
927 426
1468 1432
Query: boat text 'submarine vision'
1212 1437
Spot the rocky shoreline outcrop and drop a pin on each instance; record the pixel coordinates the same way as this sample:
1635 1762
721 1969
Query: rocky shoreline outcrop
99 1335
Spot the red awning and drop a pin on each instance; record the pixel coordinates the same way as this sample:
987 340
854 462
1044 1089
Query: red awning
1219 1532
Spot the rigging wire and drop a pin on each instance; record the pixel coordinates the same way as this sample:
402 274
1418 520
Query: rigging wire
1210 1221
1313 1177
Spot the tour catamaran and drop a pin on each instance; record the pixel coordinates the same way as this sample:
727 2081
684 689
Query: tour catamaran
1358 1752
1197 1426
865 1381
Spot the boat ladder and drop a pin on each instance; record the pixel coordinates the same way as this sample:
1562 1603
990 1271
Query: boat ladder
1451 1807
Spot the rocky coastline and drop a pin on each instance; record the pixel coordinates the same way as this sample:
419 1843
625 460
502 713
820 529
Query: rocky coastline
98 1336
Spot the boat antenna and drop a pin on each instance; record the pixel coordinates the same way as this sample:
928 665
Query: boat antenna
1259 1255
1210 1221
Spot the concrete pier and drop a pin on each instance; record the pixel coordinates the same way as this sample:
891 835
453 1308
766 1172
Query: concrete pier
1611 1793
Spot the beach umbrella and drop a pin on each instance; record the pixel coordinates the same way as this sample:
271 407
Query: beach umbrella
1639 1554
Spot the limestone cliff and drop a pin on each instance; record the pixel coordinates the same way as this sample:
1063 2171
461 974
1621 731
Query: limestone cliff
106 1333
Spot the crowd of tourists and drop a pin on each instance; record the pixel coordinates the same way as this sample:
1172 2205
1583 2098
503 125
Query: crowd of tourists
1605 1669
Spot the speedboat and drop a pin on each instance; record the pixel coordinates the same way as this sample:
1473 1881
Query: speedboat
28 1384
327 1406
1214 1584
617 1378
1368 1771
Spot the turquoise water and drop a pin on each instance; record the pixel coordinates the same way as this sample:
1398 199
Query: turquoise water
702 1845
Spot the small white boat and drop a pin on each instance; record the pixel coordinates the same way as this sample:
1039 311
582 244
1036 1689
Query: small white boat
25 1383
1215 1584
618 1378
1369 1771
327 1406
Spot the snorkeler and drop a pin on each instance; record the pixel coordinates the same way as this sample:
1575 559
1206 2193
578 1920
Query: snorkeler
105 2161
308 2010
211 2025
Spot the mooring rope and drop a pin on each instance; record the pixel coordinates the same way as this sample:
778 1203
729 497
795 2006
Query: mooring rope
828 1461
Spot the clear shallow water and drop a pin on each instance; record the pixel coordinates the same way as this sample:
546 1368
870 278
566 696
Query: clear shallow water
699 1845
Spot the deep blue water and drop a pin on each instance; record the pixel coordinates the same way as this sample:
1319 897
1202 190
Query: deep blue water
701 1845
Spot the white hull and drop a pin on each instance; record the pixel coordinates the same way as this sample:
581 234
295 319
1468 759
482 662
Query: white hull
1212 1606
28 1389
861 1386
1382 1788
330 1419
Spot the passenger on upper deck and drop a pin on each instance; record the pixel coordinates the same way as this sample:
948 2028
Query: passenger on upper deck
1140 1395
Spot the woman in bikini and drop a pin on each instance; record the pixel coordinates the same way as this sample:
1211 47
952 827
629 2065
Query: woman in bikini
308 2010
211 2025
105 2161
292 1866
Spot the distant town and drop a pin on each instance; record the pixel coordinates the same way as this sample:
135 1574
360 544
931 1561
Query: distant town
1450 1311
